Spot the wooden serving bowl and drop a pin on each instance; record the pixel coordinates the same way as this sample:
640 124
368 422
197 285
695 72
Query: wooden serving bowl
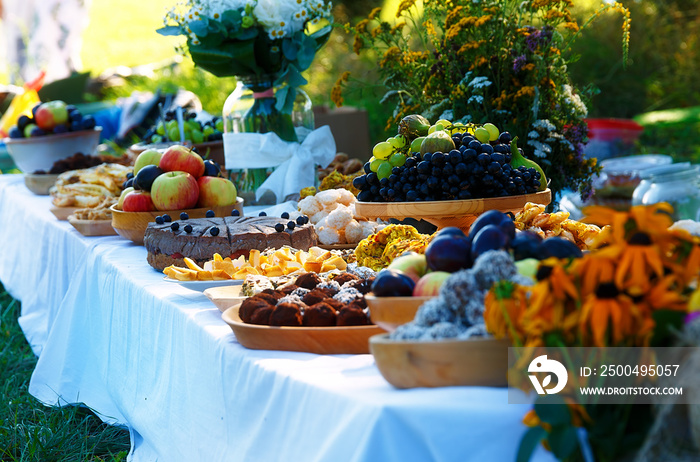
132 225
459 213
40 183
391 312
441 363
319 340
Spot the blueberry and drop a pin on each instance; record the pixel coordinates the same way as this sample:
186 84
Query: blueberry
285 215
159 220
306 219
175 226
188 228
291 225
262 214
184 216
214 231
210 214
166 218
279 227
235 213
300 221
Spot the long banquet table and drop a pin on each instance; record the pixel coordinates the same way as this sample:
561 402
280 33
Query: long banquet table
155 357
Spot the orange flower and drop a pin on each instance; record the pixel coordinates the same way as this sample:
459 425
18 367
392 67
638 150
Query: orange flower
505 304
596 267
638 261
608 308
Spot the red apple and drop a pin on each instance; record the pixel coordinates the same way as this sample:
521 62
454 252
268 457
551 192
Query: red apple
411 264
215 192
429 285
175 191
138 201
180 158
50 114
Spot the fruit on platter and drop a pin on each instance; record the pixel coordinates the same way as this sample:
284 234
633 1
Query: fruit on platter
146 176
183 159
122 196
52 117
451 162
168 177
392 283
215 191
147 157
195 131
429 285
412 264
138 201
174 190
451 251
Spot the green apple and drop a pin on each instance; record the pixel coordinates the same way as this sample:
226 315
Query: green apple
120 203
147 157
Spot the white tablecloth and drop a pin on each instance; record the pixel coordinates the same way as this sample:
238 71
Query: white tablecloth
156 357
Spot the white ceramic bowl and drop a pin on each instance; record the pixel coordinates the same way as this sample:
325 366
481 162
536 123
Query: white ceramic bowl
40 153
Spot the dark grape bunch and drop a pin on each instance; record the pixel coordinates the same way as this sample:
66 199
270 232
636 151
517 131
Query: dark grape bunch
472 170
195 131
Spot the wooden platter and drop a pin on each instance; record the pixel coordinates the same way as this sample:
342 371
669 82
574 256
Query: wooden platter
449 213
62 213
391 312
132 225
225 297
319 340
92 227
441 363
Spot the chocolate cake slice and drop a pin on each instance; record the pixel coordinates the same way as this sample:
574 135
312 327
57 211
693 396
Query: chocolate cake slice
200 238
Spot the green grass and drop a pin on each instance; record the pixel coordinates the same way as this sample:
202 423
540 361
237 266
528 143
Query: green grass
29 431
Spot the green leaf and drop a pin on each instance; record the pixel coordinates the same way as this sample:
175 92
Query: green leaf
307 53
290 49
321 36
246 34
668 323
529 442
553 410
294 77
169 30
563 441
200 27
389 95
231 19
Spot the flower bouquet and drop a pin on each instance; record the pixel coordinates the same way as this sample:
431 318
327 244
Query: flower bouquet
633 291
264 43
495 61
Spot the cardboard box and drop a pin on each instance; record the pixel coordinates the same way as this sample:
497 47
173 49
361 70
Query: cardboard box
350 128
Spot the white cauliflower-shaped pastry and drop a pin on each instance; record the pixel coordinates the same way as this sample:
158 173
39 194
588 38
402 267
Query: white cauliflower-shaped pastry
328 235
353 232
339 218
310 206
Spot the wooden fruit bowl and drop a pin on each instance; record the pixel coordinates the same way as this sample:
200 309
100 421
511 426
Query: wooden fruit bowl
449 213
319 340
391 312
132 225
441 363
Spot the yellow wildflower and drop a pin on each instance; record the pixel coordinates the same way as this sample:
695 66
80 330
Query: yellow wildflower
572 26
482 20
374 13
337 91
397 27
361 26
357 45
525 91
389 55
404 6
452 16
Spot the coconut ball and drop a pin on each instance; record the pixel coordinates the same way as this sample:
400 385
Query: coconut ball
310 205
339 218
328 235
328 198
346 197
353 232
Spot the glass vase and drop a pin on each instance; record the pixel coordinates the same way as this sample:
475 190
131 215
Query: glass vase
251 108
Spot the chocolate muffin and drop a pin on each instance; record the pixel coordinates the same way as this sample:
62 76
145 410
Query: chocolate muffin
320 314
308 280
342 278
286 314
351 316
261 316
315 296
251 305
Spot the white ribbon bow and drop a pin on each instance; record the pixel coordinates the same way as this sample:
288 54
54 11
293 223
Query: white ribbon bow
295 162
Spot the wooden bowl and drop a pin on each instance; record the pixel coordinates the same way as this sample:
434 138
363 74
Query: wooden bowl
391 312
40 183
92 227
132 225
441 363
225 297
449 213
319 340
